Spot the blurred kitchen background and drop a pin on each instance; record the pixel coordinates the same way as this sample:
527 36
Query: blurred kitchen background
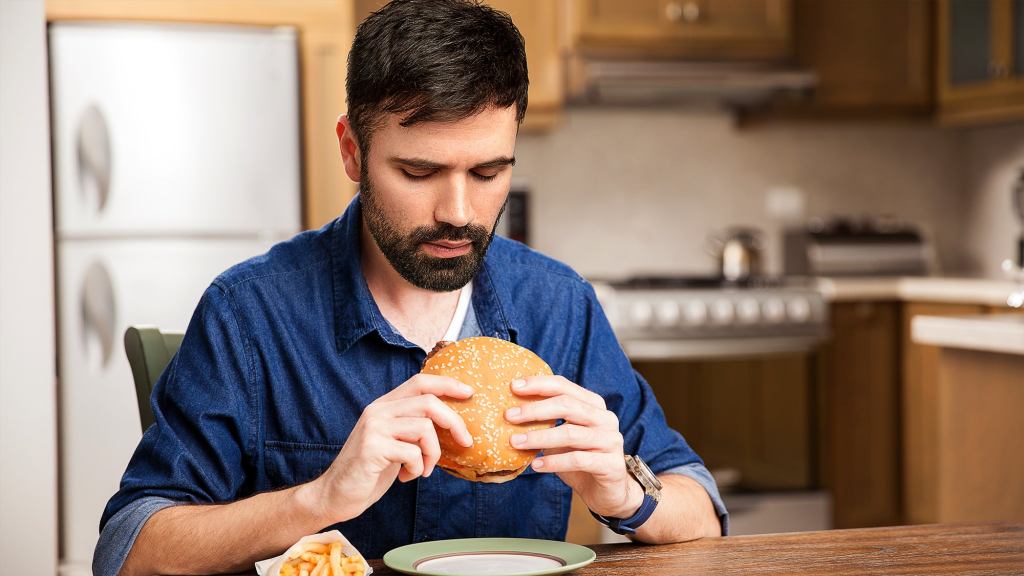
804 219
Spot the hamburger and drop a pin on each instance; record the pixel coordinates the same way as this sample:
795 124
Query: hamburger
488 365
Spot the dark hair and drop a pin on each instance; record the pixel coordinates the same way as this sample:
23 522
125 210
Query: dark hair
433 60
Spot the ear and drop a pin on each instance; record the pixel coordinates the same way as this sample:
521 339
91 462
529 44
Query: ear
350 155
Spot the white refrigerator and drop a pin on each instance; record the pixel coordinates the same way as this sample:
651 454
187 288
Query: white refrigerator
176 154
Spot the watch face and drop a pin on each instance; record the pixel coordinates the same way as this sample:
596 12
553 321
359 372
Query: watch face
648 474
643 475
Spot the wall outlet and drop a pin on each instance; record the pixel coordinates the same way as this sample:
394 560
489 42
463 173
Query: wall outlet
785 203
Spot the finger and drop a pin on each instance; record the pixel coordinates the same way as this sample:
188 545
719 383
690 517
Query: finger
566 408
429 406
419 431
594 463
570 436
430 384
554 386
408 455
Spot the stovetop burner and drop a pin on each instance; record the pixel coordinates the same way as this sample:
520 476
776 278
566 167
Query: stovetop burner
694 282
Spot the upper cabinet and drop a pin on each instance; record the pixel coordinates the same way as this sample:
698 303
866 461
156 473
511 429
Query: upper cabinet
539 22
699 29
980 61
871 56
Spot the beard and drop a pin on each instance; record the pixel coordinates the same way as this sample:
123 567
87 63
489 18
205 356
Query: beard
404 253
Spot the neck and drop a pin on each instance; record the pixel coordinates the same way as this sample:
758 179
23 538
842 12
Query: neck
421 316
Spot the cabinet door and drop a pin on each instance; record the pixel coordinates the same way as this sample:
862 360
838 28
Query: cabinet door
981 61
861 399
920 414
970 41
1018 38
870 55
712 29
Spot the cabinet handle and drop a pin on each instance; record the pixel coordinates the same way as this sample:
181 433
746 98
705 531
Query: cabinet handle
997 70
685 11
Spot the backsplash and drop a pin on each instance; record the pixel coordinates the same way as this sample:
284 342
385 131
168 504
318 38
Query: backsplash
995 158
626 191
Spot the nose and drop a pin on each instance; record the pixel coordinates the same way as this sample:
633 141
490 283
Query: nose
453 206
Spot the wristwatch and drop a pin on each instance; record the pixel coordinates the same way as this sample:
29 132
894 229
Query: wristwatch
638 469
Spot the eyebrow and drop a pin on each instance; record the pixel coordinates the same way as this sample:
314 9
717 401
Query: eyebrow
424 164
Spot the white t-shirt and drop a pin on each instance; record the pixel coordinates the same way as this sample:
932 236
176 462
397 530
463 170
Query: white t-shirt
461 309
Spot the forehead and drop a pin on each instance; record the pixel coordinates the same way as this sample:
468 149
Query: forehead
477 138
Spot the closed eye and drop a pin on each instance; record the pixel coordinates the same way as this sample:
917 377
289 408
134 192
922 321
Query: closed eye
483 177
412 176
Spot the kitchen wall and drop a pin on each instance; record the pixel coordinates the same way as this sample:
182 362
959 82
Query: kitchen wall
994 159
621 191
28 405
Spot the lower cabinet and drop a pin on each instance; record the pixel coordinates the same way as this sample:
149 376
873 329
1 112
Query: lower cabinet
919 412
860 398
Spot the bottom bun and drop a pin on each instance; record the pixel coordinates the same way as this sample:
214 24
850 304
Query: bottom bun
496 477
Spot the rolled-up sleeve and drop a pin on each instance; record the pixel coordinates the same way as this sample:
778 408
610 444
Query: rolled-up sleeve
605 369
197 451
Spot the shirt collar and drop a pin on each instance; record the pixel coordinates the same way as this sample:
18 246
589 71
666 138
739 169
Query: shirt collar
356 313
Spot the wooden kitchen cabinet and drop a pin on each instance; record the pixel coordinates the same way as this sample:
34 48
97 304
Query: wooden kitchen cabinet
922 503
325 30
871 56
700 29
860 411
539 22
980 64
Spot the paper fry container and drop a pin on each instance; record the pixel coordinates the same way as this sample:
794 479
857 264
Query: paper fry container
271 566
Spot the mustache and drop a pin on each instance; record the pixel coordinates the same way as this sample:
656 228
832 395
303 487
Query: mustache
472 232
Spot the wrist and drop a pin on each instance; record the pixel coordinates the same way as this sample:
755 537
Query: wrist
633 499
315 500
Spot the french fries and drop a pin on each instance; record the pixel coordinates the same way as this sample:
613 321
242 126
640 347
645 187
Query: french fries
313 559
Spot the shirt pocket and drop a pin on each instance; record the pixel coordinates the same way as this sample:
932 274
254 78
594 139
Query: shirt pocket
292 463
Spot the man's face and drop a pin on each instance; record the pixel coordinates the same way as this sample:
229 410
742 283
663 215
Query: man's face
432 194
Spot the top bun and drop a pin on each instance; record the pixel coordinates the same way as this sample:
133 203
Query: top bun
488 365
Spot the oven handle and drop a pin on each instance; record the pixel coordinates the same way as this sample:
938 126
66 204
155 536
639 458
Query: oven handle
716 348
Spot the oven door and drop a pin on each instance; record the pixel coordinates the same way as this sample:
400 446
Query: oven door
749 407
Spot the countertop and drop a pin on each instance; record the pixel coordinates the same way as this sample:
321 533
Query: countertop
918 289
930 549
991 333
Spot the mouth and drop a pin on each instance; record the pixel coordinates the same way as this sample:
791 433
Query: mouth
447 248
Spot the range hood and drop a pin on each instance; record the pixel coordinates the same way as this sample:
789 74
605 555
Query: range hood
676 82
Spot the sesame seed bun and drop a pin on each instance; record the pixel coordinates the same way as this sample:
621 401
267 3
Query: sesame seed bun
488 365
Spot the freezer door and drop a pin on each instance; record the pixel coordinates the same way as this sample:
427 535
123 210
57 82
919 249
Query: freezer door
104 287
175 129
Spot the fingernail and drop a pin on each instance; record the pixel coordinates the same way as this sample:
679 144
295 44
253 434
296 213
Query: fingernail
466 388
538 464
518 439
513 412
518 384
468 441
427 473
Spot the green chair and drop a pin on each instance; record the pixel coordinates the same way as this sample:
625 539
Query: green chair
149 351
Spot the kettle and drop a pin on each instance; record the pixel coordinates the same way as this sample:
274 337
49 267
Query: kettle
738 251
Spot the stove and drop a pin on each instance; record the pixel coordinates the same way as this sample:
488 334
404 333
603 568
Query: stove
665 317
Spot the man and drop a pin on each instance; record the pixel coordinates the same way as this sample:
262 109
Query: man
295 402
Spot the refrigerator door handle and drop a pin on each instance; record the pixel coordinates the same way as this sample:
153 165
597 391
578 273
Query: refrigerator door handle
99 315
93 152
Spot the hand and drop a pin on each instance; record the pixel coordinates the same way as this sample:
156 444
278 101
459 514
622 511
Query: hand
585 451
394 437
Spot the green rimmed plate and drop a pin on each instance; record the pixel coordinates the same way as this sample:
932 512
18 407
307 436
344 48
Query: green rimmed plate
497 556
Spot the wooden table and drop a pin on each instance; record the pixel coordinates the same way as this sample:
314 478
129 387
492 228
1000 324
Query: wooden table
930 549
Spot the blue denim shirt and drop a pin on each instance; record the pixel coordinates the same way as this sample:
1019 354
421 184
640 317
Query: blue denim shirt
286 349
